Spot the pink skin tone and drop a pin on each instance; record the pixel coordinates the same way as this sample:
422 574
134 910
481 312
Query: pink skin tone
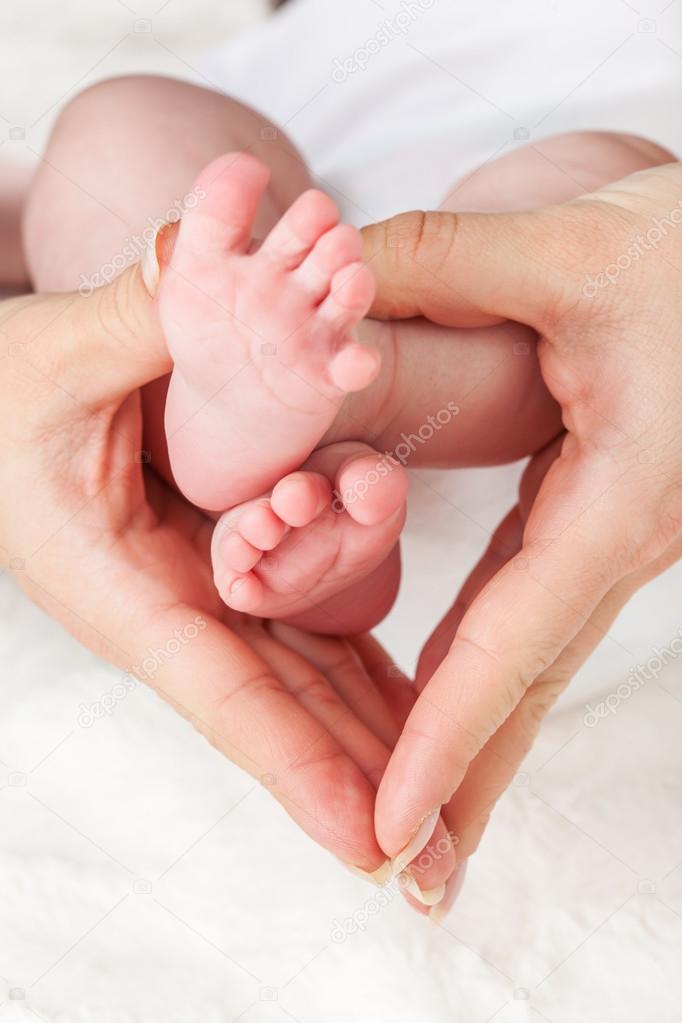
282 318
326 545
226 310
266 357
505 414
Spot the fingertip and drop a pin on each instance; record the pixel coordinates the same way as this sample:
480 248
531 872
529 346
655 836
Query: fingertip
378 482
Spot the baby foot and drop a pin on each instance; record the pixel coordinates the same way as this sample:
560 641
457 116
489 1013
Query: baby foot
323 529
262 342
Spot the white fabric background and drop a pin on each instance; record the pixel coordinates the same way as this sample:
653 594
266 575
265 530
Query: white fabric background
144 878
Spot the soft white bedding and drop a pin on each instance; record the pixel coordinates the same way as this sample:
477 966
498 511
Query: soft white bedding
143 878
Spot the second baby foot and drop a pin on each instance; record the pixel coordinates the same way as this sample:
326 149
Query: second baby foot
323 529
262 341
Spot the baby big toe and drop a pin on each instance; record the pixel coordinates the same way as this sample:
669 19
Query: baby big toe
372 487
231 188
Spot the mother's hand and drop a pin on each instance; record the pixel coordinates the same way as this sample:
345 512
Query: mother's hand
99 541
601 511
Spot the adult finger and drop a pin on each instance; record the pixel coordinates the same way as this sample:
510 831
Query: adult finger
422 874
85 351
340 662
494 767
311 680
391 681
505 542
441 265
533 607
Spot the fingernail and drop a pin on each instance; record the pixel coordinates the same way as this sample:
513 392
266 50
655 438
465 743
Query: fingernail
421 837
453 886
427 896
378 877
150 264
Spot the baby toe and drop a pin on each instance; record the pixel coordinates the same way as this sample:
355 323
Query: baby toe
241 592
336 249
301 497
351 295
236 553
232 187
354 367
372 488
260 526
293 237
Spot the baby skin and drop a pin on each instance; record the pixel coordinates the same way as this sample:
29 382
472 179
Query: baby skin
293 418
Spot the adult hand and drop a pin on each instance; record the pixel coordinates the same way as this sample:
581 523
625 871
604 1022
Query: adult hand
600 279
105 546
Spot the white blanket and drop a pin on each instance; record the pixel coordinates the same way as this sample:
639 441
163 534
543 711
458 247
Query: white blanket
143 878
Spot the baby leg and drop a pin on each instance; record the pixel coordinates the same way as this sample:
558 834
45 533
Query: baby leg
123 156
553 170
262 341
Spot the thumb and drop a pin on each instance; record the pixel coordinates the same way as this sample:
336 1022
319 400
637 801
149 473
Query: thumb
469 269
96 347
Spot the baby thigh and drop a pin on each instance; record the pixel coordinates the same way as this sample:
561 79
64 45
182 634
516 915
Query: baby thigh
553 170
122 156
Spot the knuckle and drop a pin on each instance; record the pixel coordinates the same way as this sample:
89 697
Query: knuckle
314 688
423 237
